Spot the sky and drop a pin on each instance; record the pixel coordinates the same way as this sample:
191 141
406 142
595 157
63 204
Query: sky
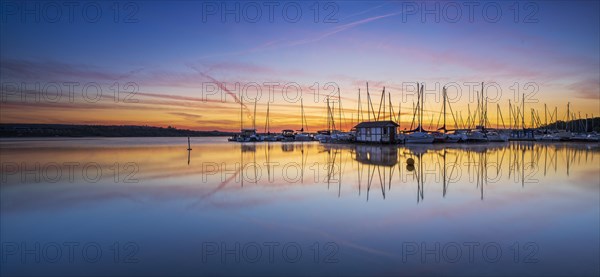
198 65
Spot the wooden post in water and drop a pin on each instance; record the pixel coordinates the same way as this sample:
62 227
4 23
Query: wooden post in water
189 146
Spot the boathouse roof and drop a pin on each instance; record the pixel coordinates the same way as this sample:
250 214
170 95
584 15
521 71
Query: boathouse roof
375 124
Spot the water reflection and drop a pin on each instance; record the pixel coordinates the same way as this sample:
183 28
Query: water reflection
305 163
367 198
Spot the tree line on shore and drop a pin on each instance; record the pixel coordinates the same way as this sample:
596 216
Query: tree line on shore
67 130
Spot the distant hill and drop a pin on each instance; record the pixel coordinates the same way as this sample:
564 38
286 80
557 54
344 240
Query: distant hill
578 125
66 130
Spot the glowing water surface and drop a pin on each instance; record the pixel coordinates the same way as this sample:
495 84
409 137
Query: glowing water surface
147 206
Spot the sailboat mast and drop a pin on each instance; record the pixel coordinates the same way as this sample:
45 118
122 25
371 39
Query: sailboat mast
267 127
390 102
556 119
399 111
580 122
328 114
368 102
418 106
254 117
421 109
422 103
359 106
383 98
485 116
500 117
302 114
568 113
477 112
469 116
340 108
509 115
546 117
483 108
523 114
241 113
444 96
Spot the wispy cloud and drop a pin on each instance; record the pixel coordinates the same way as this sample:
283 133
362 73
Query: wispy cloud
339 29
48 70
187 115
588 88
281 43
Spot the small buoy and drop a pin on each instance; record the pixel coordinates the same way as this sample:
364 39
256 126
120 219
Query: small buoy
410 167
410 161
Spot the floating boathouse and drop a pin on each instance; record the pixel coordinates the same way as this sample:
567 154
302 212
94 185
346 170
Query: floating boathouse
376 132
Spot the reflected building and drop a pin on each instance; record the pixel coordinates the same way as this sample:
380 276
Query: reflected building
376 155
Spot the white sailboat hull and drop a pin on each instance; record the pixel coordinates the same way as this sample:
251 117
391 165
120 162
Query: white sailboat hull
419 137
302 137
476 137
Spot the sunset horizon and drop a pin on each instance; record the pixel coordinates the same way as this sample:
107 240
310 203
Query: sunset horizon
299 138
177 81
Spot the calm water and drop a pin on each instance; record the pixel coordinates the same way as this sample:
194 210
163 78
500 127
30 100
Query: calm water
147 206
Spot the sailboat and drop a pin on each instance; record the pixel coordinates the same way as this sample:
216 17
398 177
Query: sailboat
246 134
548 135
302 135
445 137
339 135
324 136
496 137
249 135
419 136
235 137
268 136
478 135
565 135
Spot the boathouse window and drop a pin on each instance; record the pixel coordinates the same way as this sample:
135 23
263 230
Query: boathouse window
385 131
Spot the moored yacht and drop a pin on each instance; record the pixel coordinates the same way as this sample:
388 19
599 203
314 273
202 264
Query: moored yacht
286 135
303 136
455 138
248 135
549 137
340 136
593 137
323 136
419 137
439 137
476 136
496 137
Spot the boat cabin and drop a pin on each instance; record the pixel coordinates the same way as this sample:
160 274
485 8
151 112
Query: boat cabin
376 131
287 133
248 132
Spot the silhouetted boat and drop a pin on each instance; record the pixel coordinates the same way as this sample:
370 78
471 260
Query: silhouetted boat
476 136
419 136
496 137
286 135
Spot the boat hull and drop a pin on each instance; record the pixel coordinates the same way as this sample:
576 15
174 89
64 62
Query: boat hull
420 138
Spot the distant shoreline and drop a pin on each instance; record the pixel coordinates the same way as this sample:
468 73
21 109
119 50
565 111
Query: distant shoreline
10 130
